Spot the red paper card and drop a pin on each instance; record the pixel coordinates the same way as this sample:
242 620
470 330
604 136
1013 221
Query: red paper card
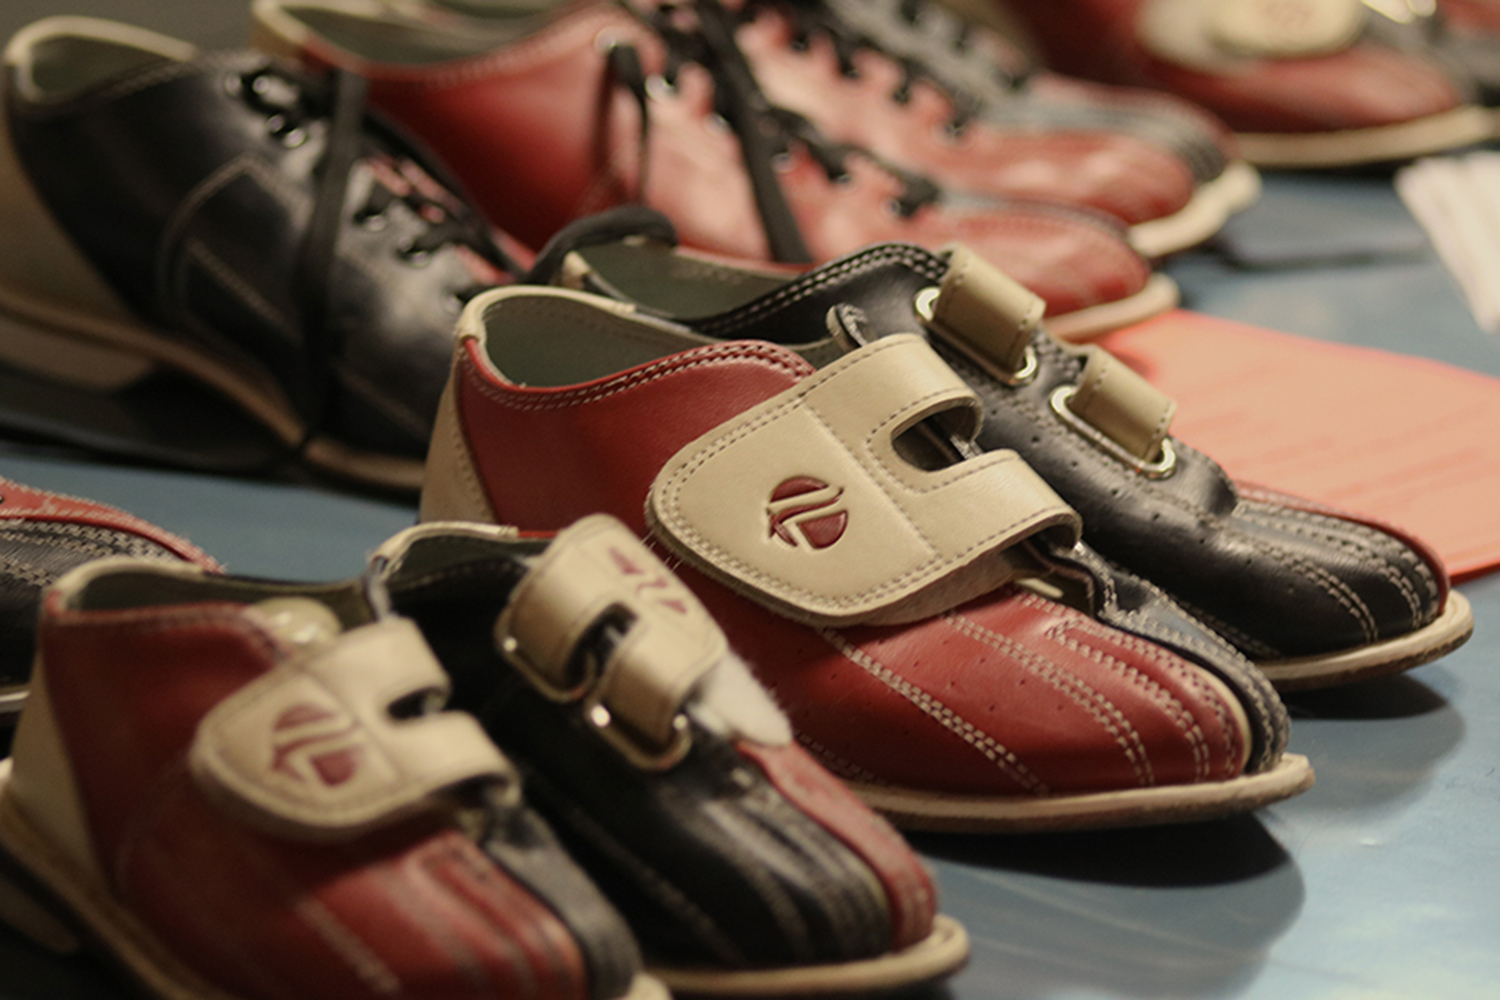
1407 440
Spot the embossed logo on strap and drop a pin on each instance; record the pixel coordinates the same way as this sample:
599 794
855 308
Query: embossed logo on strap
867 521
312 751
805 512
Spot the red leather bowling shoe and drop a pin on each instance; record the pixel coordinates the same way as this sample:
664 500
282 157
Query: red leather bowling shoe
876 585
549 117
1301 82
242 789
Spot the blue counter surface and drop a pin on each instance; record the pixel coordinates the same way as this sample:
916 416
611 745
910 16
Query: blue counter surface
1383 881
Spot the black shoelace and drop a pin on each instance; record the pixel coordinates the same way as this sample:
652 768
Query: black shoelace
966 79
702 32
291 102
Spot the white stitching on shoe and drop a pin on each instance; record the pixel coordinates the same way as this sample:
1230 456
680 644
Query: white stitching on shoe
1003 758
1105 712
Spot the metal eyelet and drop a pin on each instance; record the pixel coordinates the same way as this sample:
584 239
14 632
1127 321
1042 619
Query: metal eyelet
925 304
632 747
292 138
659 88
1161 468
412 256
372 222
510 649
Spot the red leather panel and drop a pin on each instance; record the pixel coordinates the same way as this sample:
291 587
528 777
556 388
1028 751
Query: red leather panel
1124 177
1012 695
1009 695
407 912
550 456
1361 87
129 688
412 910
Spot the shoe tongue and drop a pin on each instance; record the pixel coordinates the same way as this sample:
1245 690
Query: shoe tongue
306 625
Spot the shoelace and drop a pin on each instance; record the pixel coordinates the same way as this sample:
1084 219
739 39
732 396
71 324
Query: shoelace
702 32
402 172
966 79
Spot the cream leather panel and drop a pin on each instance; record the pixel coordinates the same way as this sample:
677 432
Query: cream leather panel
1217 34
593 567
986 313
451 490
804 504
1122 405
42 784
311 751
1284 29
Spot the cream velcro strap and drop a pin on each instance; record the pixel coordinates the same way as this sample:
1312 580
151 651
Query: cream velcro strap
311 750
1287 29
1120 404
597 568
805 504
1212 34
984 312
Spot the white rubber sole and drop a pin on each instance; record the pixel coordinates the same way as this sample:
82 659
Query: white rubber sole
101 355
1160 294
1234 190
1450 630
914 810
937 956
1384 144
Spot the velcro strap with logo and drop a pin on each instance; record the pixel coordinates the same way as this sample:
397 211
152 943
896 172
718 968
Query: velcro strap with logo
1120 404
1205 33
805 504
594 569
312 751
985 313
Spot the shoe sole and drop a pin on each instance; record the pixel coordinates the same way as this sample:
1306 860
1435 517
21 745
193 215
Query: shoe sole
1383 144
46 898
12 697
1234 190
934 811
1382 659
98 356
1160 294
938 955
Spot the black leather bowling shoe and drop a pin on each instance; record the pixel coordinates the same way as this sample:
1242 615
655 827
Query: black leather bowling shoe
213 260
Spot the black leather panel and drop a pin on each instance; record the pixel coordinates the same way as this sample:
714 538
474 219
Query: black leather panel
1275 581
192 200
709 863
32 555
526 847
